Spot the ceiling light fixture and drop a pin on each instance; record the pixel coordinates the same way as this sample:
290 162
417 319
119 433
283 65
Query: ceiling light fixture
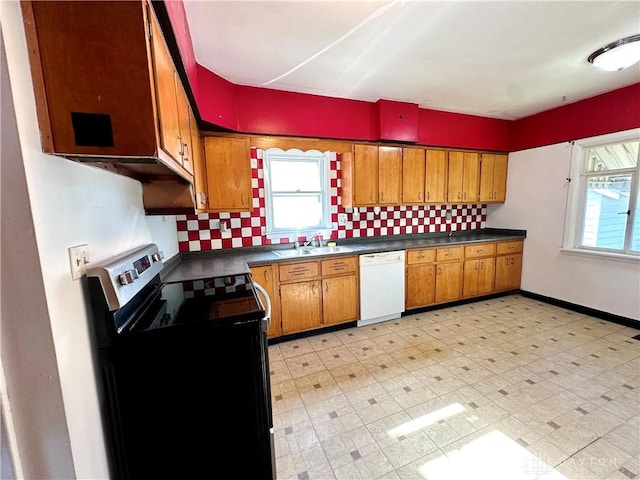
618 55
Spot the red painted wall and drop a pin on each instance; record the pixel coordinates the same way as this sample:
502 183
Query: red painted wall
260 110
610 112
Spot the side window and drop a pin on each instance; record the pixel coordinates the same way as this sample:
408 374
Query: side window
297 192
607 204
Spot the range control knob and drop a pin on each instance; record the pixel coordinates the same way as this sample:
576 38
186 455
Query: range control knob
156 257
128 277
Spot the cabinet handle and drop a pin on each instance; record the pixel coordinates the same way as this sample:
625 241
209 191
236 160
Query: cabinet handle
372 196
419 195
439 271
185 151
181 149
266 275
459 195
421 255
203 198
464 196
382 196
476 265
242 199
326 286
431 272
495 196
428 195
448 254
313 288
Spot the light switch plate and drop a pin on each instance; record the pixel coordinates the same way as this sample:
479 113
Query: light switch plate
78 260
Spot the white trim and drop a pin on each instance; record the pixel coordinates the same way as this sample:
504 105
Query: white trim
292 154
618 257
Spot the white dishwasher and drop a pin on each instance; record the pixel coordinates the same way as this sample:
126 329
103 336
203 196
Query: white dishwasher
381 287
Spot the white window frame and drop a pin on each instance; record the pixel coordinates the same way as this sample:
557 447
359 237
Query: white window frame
576 197
297 155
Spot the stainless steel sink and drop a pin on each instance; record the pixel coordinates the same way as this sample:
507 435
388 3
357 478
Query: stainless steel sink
310 251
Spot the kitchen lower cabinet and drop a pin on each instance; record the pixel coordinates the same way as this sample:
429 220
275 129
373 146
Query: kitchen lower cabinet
318 293
448 281
264 275
339 299
508 272
479 269
420 286
478 277
300 306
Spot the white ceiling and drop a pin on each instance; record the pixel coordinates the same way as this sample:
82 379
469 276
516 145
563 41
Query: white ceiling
506 59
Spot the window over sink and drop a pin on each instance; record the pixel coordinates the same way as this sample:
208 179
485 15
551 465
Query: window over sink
297 192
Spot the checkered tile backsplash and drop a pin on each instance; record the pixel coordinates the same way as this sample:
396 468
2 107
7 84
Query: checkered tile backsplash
246 229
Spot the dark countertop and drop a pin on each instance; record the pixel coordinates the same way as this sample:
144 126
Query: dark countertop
232 261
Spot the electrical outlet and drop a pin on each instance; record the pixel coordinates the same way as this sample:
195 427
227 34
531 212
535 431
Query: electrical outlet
78 260
223 226
448 215
342 219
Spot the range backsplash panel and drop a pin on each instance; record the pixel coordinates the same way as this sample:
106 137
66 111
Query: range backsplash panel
247 229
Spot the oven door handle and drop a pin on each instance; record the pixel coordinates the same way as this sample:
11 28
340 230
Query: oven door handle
264 293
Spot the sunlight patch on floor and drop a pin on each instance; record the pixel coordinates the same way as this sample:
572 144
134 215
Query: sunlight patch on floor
493 456
425 420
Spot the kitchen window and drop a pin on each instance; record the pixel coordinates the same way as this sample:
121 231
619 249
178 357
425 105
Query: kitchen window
604 209
297 193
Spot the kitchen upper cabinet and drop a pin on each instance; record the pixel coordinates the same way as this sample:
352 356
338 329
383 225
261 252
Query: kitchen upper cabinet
413 175
264 275
228 174
508 265
493 178
389 175
105 87
463 177
436 166
199 169
376 175
365 175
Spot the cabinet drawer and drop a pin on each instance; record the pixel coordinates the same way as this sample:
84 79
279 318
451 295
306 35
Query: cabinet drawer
480 250
297 271
423 255
510 247
449 253
339 265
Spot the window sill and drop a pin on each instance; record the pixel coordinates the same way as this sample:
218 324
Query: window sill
618 257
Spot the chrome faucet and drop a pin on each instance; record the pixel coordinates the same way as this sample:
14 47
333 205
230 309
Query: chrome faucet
314 237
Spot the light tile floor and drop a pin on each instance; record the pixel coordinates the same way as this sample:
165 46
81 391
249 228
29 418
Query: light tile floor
508 388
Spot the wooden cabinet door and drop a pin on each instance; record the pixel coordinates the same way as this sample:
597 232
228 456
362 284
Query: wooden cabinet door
199 170
486 275
486 177
508 272
184 113
340 299
420 285
413 175
300 306
455 176
436 164
165 89
448 281
500 178
471 177
228 165
265 277
365 175
389 175
470 280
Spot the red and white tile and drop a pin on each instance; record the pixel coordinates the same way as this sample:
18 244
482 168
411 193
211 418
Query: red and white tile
246 229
